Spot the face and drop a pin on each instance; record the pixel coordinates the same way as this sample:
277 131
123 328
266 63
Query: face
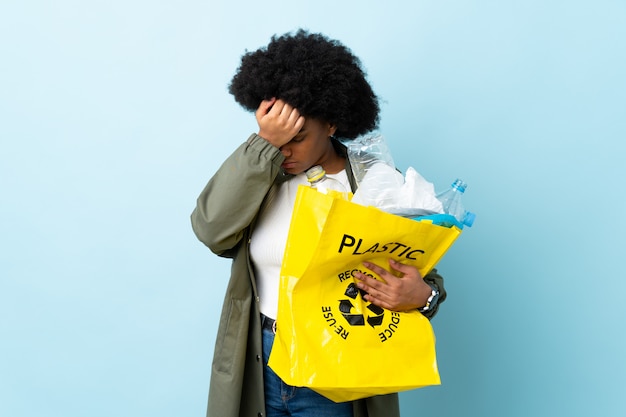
311 146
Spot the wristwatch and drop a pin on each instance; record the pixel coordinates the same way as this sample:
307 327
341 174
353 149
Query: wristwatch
432 300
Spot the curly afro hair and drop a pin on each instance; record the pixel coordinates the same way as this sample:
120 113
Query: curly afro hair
317 75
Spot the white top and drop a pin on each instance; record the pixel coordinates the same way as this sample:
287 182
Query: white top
269 238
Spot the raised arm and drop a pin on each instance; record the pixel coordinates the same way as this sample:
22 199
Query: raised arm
232 198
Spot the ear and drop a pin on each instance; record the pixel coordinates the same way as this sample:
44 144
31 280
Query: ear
331 129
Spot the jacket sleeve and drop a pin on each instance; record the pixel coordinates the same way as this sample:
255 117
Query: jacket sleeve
231 199
436 280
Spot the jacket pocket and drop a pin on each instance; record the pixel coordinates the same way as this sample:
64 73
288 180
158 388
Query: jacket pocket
231 343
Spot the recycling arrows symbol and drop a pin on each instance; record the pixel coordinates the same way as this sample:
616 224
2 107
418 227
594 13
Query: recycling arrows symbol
346 306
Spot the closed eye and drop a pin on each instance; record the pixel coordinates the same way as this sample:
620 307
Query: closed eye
299 137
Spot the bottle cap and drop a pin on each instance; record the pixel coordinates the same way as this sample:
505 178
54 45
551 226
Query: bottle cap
469 218
315 173
459 185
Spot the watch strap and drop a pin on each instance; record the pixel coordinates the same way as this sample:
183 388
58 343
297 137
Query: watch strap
432 300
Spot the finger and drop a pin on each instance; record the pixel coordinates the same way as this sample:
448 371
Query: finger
403 269
295 120
367 283
291 115
378 299
285 109
381 272
265 106
299 123
279 107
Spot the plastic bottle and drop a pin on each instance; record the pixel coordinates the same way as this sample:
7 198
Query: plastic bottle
452 204
321 182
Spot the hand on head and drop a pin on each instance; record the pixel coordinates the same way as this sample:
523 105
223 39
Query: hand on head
278 121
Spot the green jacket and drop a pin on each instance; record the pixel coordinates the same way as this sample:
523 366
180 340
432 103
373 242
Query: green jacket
223 219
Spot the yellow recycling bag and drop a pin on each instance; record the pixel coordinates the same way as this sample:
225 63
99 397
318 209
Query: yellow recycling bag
328 338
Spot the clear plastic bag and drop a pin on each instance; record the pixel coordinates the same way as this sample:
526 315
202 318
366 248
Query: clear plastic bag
381 185
367 151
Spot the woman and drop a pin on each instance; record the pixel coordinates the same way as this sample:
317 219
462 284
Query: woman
305 89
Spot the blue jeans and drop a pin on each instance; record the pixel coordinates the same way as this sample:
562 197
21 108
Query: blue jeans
282 400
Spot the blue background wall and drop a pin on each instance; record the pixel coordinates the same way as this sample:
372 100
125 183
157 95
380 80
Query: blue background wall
114 114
